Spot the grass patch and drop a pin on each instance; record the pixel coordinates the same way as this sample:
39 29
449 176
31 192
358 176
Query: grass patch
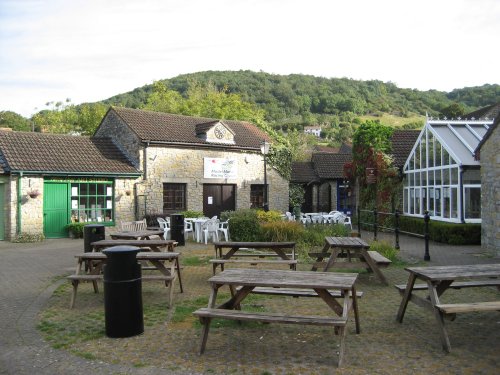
195 261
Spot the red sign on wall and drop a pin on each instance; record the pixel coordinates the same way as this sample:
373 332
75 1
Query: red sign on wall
371 176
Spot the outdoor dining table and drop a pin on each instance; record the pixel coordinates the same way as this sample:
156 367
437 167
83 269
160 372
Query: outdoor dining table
352 248
136 235
154 245
437 280
94 261
247 279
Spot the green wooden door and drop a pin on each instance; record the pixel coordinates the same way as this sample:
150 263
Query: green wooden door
55 209
2 212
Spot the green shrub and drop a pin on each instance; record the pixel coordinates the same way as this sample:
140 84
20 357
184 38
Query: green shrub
314 235
269 216
75 230
191 213
243 225
440 231
282 231
385 249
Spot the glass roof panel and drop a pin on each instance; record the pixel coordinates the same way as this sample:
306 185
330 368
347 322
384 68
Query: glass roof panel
454 144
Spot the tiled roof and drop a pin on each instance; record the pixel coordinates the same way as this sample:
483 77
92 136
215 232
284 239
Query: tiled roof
402 144
57 153
333 150
303 172
491 112
166 127
345 149
330 166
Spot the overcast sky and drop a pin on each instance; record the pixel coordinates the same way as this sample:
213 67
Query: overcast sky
90 50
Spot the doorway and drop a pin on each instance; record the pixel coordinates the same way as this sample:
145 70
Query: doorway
218 198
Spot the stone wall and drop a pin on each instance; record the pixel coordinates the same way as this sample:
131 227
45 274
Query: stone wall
175 165
113 127
490 193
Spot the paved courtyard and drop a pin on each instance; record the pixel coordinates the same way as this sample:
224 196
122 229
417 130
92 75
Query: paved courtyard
30 273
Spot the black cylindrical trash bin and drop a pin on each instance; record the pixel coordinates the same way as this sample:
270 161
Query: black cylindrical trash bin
123 292
92 233
177 229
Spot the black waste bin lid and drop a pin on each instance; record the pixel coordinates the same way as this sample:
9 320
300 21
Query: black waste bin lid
121 250
93 226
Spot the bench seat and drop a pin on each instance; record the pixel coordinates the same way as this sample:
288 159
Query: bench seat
381 260
455 285
454 308
296 292
216 262
75 280
269 317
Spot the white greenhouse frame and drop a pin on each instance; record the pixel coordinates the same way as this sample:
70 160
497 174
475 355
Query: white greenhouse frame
441 173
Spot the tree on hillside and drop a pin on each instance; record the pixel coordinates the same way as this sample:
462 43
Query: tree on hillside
454 110
9 119
371 149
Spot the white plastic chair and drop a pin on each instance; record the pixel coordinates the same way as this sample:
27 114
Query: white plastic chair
224 228
289 216
188 227
317 219
344 219
304 219
165 225
210 227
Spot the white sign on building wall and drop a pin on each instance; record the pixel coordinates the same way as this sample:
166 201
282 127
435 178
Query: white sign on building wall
220 168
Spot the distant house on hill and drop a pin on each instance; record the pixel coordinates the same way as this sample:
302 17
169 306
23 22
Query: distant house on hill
313 129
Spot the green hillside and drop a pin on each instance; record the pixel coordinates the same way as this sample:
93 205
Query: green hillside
294 100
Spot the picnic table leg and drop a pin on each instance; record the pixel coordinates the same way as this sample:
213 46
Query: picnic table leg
204 336
373 266
342 335
406 298
74 283
332 259
324 254
355 308
178 270
433 294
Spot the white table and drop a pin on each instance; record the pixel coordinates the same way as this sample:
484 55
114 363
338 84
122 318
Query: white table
197 223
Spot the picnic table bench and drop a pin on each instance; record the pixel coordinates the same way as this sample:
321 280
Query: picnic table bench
356 253
95 261
438 279
249 279
154 245
252 253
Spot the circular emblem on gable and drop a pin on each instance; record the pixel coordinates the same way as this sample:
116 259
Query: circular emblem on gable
220 131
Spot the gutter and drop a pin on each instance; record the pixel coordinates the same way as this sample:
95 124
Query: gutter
68 174
18 224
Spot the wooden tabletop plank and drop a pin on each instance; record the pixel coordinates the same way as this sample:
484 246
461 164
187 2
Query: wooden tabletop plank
138 243
347 242
140 256
284 279
437 273
255 245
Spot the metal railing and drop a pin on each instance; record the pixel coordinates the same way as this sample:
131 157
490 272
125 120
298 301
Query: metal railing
376 226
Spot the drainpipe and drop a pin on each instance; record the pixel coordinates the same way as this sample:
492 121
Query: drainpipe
461 193
18 225
145 161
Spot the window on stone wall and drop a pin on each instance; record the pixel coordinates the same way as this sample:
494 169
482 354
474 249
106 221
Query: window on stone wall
92 202
174 197
256 196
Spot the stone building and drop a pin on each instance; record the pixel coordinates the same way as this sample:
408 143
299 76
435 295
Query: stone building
488 152
137 163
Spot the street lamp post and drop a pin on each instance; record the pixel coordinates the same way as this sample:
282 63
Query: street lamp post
264 148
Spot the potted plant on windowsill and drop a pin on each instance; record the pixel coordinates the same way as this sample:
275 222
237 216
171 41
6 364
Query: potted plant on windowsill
33 194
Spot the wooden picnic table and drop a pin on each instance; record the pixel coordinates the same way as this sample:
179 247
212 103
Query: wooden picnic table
437 280
136 235
253 250
95 261
354 250
154 245
248 279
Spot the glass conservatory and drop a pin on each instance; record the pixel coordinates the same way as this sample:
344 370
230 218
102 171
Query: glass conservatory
441 174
